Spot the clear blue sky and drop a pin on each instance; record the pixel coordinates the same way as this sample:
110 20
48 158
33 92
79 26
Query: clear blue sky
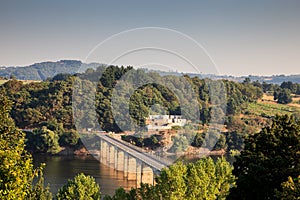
243 37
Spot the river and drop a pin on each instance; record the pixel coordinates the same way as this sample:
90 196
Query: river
61 168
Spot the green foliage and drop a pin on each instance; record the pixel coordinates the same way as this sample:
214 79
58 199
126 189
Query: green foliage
209 180
39 191
270 110
69 138
50 100
43 140
268 158
120 194
293 87
289 189
180 143
284 97
212 140
16 168
234 152
82 187
234 141
198 140
171 183
221 143
49 103
204 179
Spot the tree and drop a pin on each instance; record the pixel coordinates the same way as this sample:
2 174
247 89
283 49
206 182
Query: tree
43 140
209 180
268 158
289 85
198 140
204 179
16 168
171 182
234 141
232 107
221 143
82 187
39 191
69 138
180 143
247 80
284 97
120 194
289 189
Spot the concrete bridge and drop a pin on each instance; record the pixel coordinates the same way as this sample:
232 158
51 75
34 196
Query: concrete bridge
136 164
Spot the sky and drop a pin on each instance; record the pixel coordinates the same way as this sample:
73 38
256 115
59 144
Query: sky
229 37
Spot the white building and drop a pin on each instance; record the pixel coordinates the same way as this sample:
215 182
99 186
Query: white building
164 122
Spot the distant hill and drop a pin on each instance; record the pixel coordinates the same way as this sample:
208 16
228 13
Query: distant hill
275 79
44 70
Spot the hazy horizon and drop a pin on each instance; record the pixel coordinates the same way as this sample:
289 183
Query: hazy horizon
242 38
158 69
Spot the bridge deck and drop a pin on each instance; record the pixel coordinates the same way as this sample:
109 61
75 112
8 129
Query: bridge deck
146 158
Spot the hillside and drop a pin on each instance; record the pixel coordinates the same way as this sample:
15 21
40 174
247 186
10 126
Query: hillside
44 70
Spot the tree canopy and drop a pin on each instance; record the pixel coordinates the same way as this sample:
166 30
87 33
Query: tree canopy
82 187
16 168
205 179
269 158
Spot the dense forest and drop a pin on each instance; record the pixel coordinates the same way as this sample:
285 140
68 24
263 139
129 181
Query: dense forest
46 107
266 168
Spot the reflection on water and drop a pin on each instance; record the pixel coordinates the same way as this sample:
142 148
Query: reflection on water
61 168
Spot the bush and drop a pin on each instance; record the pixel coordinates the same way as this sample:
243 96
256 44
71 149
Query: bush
82 187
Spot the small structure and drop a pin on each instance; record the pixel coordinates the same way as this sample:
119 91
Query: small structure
164 122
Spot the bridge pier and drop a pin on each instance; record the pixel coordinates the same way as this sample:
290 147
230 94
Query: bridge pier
147 175
108 154
136 166
131 169
116 158
120 160
139 173
103 152
125 164
111 156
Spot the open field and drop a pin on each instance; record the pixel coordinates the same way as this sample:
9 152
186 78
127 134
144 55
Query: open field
271 108
268 98
24 81
2 81
296 101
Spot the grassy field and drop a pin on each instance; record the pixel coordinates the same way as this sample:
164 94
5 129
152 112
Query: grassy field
2 81
264 108
24 81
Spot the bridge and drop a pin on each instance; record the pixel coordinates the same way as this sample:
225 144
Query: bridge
136 164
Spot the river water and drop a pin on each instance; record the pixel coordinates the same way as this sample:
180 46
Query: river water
61 168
